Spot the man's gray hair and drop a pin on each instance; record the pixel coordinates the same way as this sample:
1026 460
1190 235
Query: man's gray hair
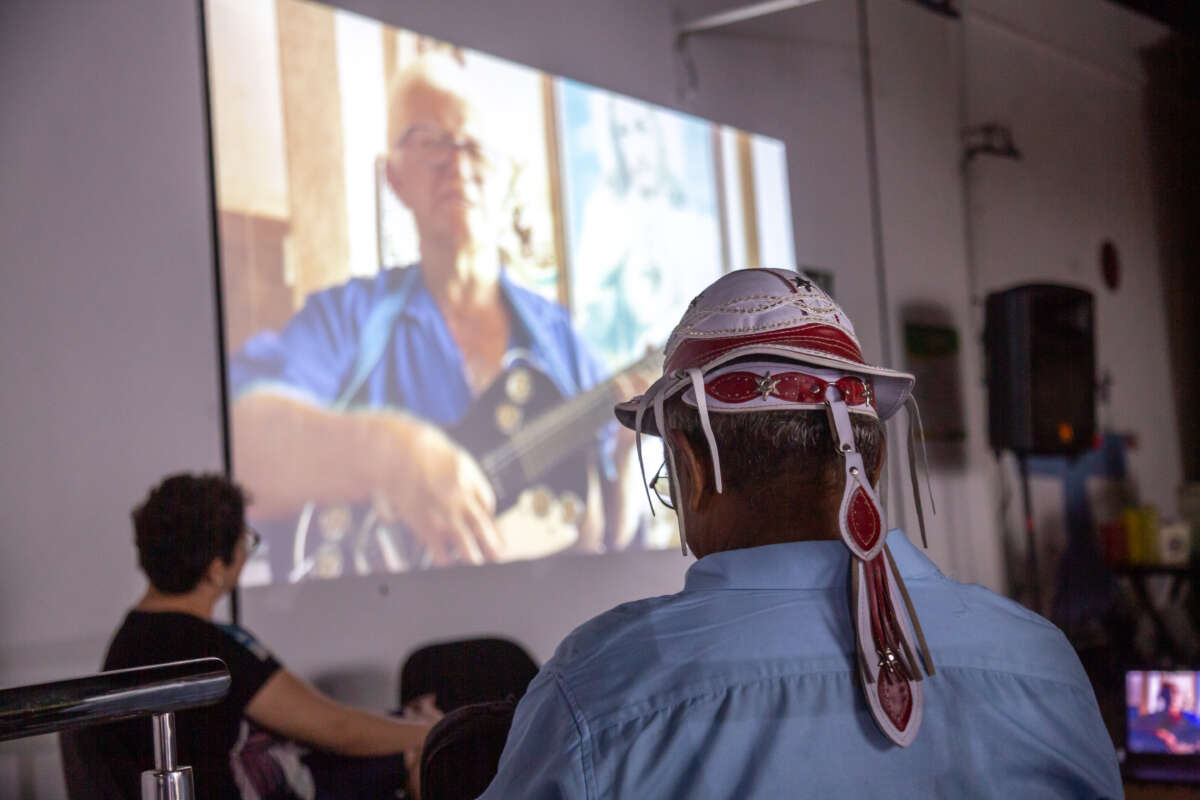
758 448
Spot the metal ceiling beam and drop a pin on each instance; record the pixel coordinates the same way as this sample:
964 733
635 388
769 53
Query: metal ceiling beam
740 14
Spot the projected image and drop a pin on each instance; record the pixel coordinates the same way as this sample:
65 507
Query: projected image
649 173
440 270
1162 712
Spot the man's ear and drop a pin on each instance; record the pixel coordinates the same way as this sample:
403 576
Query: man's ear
693 478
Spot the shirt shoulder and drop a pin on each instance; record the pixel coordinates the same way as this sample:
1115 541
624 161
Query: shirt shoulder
544 318
247 641
610 631
971 627
154 638
362 292
531 302
644 654
146 638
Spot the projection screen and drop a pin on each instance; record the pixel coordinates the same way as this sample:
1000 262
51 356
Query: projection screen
439 271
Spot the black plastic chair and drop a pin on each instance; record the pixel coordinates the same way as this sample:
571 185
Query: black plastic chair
462 752
467 671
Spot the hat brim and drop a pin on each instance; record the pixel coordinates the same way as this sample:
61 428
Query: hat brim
892 387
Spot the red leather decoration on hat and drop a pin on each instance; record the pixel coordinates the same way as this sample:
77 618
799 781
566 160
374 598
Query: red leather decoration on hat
891 687
734 387
895 697
854 391
864 522
822 338
794 387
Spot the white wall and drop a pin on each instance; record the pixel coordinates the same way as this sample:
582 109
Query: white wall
108 361
107 367
108 373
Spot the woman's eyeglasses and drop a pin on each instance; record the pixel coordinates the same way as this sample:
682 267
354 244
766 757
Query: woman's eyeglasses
253 539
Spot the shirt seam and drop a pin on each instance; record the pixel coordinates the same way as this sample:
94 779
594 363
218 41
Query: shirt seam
837 584
621 718
409 275
585 738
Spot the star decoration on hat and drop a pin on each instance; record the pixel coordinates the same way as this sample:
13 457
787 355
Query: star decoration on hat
765 385
802 283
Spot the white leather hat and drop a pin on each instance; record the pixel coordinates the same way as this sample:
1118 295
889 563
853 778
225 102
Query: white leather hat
775 313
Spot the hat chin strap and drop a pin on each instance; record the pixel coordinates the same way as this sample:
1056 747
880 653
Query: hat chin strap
914 416
654 398
660 424
886 628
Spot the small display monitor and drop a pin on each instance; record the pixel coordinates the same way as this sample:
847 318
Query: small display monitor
1162 725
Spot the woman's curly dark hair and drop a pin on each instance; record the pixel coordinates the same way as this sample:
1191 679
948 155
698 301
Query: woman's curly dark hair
183 524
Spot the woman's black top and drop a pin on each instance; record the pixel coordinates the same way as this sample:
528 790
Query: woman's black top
206 736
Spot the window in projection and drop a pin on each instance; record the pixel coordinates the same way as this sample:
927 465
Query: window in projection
440 270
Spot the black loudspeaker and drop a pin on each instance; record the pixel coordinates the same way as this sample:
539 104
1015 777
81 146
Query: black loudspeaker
1041 370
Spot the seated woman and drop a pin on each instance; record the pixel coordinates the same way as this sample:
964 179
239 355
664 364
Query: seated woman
274 735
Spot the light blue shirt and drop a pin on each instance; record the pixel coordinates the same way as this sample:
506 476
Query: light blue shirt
743 685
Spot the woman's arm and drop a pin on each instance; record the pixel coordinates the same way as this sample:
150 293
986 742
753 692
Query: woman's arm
291 707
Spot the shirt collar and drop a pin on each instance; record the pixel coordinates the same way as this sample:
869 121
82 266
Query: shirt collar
523 315
796 565
412 280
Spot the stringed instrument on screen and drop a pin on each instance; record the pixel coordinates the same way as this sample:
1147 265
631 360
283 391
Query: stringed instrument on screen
532 444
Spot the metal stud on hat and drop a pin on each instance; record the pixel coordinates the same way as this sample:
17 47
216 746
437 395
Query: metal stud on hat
762 340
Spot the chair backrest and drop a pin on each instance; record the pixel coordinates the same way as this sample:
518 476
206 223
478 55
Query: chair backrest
86 767
462 752
467 671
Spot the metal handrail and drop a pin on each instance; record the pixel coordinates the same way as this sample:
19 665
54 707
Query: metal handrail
111 696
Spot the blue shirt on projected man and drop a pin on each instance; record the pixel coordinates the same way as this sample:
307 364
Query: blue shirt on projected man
382 343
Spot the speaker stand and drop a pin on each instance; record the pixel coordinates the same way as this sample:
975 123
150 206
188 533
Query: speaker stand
1031 557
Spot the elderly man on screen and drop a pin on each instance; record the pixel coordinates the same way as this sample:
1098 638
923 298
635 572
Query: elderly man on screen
352 401
810 653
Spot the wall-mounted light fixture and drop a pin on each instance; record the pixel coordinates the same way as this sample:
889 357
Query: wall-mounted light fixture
991 139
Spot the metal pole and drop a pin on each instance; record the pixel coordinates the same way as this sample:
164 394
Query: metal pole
899 512
166 781
164 741
1031 558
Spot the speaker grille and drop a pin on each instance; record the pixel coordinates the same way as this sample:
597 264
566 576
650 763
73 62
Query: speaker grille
1041 369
